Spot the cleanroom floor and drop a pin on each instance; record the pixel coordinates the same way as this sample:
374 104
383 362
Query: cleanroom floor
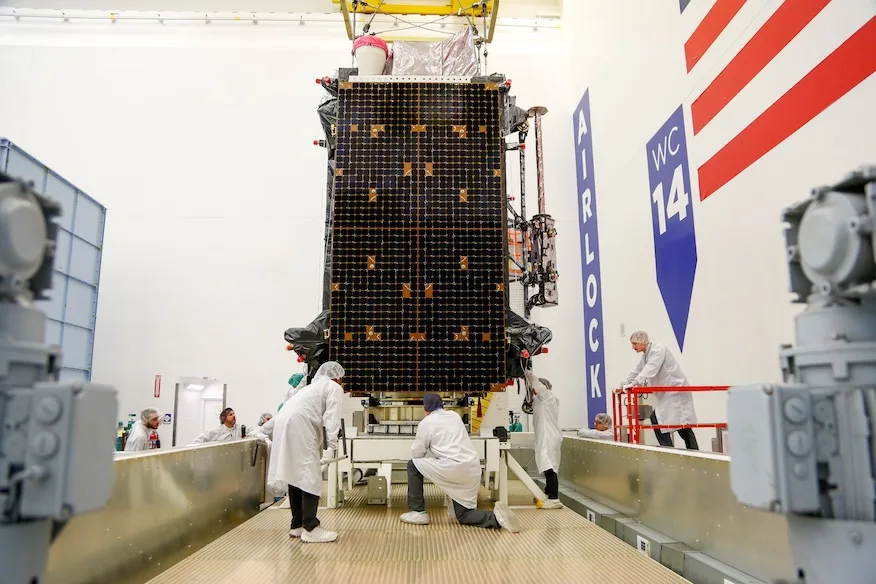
374 547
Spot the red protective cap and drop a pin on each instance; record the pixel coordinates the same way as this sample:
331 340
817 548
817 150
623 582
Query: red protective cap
316 142
523 146
301 358
289 347
510 382
544 349
508 83
524 354
371 41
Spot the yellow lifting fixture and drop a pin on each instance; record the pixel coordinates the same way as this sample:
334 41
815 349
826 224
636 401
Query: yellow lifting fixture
439 8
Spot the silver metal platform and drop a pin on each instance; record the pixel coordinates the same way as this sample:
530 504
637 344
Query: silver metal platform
191 515
375 547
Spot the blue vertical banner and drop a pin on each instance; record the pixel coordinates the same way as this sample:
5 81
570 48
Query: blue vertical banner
590 272
675 240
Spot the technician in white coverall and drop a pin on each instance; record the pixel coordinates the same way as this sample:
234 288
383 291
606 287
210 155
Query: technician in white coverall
443 453
658 368
265 430
228 430
548 436
602 429
296 383
139 438
296 462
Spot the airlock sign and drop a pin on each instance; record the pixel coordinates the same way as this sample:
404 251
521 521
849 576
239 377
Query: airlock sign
590 273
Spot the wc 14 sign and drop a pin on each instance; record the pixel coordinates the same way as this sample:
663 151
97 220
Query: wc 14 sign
675 242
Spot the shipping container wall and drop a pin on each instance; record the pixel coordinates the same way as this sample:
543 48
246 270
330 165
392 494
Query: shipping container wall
73 299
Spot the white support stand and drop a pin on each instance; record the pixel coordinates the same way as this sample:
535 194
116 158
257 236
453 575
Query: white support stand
493 464
385 471
332 497
514 466
503 478
381 452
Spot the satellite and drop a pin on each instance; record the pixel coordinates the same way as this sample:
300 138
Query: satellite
418 224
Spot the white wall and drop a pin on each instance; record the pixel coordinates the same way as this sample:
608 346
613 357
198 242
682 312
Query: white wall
631 56
198 139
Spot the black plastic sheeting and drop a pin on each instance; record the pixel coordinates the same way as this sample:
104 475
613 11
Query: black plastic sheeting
527 336
328 116
311 343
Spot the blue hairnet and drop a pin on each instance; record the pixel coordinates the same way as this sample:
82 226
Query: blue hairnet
432 402
296 379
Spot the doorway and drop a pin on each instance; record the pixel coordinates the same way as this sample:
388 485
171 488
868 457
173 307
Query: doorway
197 403
211 407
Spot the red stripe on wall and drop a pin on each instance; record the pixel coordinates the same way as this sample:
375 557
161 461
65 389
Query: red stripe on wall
717 19
850 64
781 28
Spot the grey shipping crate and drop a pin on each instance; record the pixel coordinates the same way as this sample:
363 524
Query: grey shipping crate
73 299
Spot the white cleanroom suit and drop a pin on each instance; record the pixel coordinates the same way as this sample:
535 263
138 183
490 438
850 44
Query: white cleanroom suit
221 434
658 368
444 454
596 434
295 389
139 438
546 425
297 432
265 432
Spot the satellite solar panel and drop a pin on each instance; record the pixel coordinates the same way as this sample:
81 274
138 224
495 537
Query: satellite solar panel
418 248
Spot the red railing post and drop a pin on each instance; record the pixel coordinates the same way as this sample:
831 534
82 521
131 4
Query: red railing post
636 413
614 415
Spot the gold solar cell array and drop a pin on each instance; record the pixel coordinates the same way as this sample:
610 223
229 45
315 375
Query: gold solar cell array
418 242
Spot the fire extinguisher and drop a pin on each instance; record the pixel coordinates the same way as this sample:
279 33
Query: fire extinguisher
154 442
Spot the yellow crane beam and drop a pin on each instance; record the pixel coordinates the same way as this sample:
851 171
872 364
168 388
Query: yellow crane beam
443 8
439 8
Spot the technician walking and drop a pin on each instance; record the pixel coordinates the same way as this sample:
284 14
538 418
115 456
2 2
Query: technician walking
658 368
548 437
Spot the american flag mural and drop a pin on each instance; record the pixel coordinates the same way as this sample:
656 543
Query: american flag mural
819 49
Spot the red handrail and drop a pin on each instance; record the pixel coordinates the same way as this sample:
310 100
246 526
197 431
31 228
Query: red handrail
634 432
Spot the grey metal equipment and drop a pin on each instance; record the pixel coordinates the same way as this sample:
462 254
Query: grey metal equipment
807 447
56 439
